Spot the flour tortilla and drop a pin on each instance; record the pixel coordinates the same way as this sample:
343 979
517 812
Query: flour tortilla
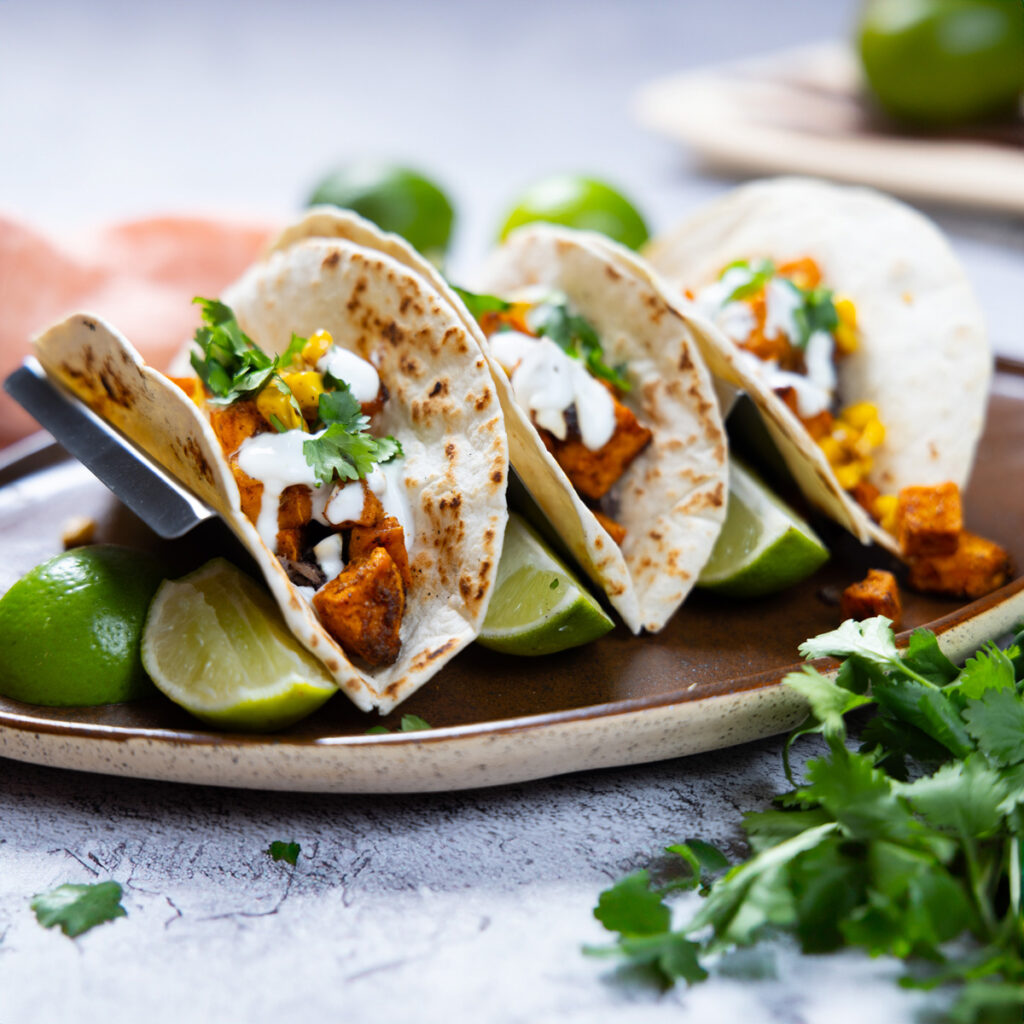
442 407
923 359
672 500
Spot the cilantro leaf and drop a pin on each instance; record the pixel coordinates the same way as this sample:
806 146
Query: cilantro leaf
228 362
816 312
577 338
703 860
478 304
413 723
632 907
77 908
964 796
284 851
924 656
870 639
996 721
989 669
669 954
928 709
760 271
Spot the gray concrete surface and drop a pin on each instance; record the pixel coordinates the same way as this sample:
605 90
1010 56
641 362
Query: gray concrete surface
471 906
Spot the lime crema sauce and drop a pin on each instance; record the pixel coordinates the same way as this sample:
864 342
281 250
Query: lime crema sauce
546 382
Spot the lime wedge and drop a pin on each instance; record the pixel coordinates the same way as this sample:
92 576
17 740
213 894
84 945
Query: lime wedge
764 545
215 643
538 607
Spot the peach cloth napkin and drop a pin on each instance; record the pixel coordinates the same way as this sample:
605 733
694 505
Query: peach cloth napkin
140 275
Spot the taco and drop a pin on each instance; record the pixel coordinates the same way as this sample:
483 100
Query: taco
343 422
850 323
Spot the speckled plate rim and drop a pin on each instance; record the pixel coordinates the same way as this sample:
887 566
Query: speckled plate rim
633 731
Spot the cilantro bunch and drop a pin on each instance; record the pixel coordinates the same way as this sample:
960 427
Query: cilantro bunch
553 319
910 846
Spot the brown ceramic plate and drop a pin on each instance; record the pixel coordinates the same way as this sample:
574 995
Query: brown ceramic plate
710 679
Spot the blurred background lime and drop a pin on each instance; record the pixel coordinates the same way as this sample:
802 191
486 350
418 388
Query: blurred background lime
395 198
576 201
71 627
943 61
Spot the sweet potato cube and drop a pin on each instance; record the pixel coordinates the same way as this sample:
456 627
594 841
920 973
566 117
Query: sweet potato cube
876 594
192 386
387 534
594 473
977 567
295 509
250 491
362 608
234 423
290 544
616 530
929 520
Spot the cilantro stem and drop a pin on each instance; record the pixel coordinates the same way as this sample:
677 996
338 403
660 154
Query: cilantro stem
978 885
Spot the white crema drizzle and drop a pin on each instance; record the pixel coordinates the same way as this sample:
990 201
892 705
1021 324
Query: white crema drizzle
361 376
546 382
815 390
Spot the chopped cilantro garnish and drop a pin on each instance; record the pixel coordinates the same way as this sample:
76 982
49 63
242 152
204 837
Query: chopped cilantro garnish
899 848
760 273
577 338
229 363
284 851
345 450
77 908
409 723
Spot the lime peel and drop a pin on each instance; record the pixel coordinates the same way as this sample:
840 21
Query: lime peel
539 606
764 546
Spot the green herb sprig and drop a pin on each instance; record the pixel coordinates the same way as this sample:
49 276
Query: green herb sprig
77 908
554 319
897 848
346 449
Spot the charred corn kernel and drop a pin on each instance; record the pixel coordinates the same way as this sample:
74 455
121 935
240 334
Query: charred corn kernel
307 386
848 476
860 415
832 448
846 332
885 511
871 437
316 348
276 403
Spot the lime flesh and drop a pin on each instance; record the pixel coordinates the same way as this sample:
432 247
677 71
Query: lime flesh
538 607
764 546
216 644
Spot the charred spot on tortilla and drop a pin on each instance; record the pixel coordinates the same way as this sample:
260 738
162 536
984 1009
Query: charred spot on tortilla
440 388
91 324
331 260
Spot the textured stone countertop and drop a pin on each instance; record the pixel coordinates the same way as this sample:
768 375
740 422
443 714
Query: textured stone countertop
428 908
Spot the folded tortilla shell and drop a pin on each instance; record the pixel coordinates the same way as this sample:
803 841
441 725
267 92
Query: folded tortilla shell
923 358
442 407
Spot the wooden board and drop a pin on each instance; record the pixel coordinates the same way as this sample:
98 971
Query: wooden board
805 112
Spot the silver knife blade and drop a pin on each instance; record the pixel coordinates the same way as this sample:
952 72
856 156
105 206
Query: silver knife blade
168 507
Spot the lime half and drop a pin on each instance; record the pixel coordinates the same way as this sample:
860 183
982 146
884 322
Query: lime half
216 644
538 607
764 545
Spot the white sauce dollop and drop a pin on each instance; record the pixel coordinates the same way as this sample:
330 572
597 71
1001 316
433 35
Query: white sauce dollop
546 382
328 555
781 301
361 376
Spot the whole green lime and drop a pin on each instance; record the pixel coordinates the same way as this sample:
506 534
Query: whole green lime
943 61
71 627
579 202
395 198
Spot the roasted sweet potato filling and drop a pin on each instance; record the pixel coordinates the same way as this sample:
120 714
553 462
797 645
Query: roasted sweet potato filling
594 473
977 567
362 607
929 520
